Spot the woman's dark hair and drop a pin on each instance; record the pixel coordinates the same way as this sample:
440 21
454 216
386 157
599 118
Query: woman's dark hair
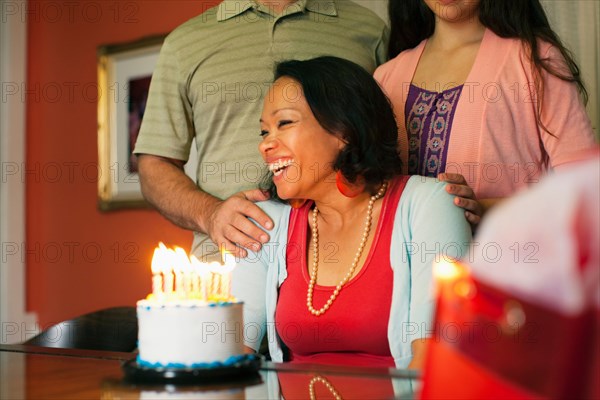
412 21
348 102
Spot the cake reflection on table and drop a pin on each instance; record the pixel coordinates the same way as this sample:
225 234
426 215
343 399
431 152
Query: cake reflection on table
184 393
226 390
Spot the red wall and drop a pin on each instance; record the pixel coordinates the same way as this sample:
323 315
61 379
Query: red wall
78 258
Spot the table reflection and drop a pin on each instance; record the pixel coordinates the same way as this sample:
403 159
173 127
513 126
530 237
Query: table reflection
271 385
327 386
30 372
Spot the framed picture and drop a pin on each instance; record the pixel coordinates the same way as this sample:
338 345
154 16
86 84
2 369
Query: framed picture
124 73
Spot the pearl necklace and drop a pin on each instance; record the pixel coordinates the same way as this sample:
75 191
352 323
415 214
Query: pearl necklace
315 244
324 381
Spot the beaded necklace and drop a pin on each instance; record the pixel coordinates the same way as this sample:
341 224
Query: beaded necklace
315 245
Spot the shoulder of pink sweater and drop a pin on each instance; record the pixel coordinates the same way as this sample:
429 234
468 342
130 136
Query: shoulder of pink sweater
545 50
552 54
384 71
516 52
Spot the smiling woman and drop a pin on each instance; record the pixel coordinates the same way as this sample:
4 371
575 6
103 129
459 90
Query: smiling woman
346 276
352 139
287 126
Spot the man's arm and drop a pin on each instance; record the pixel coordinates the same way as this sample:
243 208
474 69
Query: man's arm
166 186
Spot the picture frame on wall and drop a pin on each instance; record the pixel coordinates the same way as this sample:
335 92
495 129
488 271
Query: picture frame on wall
124 74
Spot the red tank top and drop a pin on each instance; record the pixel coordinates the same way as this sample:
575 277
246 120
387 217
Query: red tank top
354 329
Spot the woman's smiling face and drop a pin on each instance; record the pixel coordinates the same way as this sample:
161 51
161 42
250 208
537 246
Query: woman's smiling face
296 148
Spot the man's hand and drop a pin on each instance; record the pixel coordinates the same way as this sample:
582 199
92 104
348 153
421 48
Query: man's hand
229 227
465 197
177 197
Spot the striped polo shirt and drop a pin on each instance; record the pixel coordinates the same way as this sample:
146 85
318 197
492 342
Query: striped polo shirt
214 70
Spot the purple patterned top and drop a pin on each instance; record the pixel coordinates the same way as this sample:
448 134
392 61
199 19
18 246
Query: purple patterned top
428 121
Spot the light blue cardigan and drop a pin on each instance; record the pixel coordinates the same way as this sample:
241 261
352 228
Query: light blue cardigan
427 225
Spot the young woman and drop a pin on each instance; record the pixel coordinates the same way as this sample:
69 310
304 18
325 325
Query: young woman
346 277
484 94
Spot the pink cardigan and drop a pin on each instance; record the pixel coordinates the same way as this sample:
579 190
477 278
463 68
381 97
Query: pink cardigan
495 141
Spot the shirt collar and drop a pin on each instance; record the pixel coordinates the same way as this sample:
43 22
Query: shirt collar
325 7
231 8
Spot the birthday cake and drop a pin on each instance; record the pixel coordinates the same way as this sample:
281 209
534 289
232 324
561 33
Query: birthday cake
190 320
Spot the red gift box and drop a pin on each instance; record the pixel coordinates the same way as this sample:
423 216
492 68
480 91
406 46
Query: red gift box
491 344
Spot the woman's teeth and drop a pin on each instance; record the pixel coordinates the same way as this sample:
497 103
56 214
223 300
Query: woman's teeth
277 167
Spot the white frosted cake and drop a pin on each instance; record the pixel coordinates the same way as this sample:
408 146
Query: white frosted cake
189 333
190 320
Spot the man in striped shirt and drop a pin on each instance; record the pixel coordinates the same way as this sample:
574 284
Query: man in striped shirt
212 74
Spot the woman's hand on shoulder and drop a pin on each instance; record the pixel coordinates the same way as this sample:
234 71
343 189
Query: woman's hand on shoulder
464 196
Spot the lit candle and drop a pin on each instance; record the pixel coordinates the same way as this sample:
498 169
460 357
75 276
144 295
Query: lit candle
186 277
445 270
182 268
203 273
215 281
168 272
157 264
194 277
228 266
452 278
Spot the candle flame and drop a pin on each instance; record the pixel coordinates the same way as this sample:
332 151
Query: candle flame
214 267
188 278
201 268
159 259
446 270
181 262
229 262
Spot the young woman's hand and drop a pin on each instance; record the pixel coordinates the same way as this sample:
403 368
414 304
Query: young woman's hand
464 196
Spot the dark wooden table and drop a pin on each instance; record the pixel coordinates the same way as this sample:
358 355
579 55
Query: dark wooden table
30 372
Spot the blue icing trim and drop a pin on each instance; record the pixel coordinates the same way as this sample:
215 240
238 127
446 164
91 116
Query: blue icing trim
215 364
223 303
164 306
